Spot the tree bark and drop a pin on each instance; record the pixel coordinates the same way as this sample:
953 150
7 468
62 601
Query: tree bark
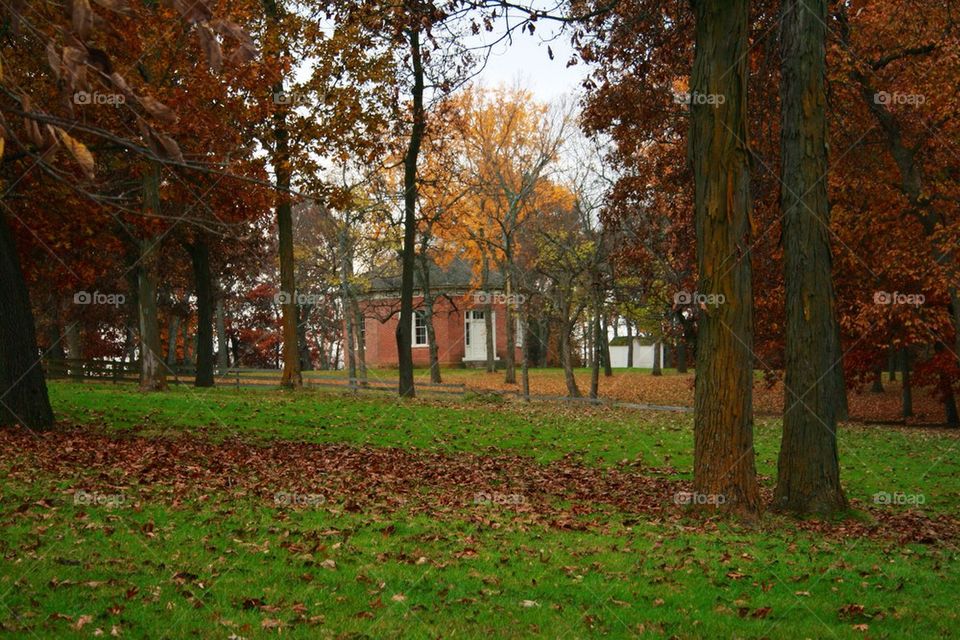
509 353
906 393
223 347
597 351
629 345
808 473
605 350
152 370
173 331
525 356
203 285
405 325
724 467
657 359
877 381
74 350
566 359
23 389
291 376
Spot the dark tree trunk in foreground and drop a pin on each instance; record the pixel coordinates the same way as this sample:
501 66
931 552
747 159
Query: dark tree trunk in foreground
173 332
223 349
877 381
566 359
808 473
203 284
405 325
605 349
629 345
23 390
724 474
657 359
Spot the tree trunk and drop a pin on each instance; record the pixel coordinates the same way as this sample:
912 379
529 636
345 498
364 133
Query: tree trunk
597 351
428 302
629 345
605 350
305 357
566 359
657 359
203 285
877 381
74 350
152 370
173 331
291 376
509 352
345 297
682 354
525 355
808 473
359 325
405 325
23 390
223 346
907 389
892 364
724 467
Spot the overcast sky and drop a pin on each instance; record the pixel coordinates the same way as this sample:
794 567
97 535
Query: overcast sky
526 60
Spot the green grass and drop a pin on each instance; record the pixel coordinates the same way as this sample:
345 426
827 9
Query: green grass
216 564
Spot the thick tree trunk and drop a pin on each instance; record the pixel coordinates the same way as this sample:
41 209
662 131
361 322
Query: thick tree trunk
724 467
657 359
892 364
808 474
629 345
405 325
23 390
203 285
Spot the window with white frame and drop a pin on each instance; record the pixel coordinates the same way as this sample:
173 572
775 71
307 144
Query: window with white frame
420 328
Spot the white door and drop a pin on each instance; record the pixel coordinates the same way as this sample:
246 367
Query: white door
475 336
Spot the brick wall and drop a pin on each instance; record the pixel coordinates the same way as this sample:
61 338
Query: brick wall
381 317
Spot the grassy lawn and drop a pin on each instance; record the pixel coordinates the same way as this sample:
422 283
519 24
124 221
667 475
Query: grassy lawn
256 513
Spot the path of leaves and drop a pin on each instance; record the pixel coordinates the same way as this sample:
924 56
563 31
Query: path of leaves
563 494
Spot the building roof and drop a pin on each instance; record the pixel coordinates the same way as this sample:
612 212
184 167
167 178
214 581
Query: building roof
456 275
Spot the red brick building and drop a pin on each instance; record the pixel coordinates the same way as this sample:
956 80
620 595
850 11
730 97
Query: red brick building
459 319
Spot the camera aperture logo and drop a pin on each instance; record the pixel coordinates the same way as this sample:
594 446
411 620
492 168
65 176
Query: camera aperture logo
97 499
96 297
298 298
695 98
694 498
682 298
293 499
494 498
99 99
896 98
497 297
887 298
